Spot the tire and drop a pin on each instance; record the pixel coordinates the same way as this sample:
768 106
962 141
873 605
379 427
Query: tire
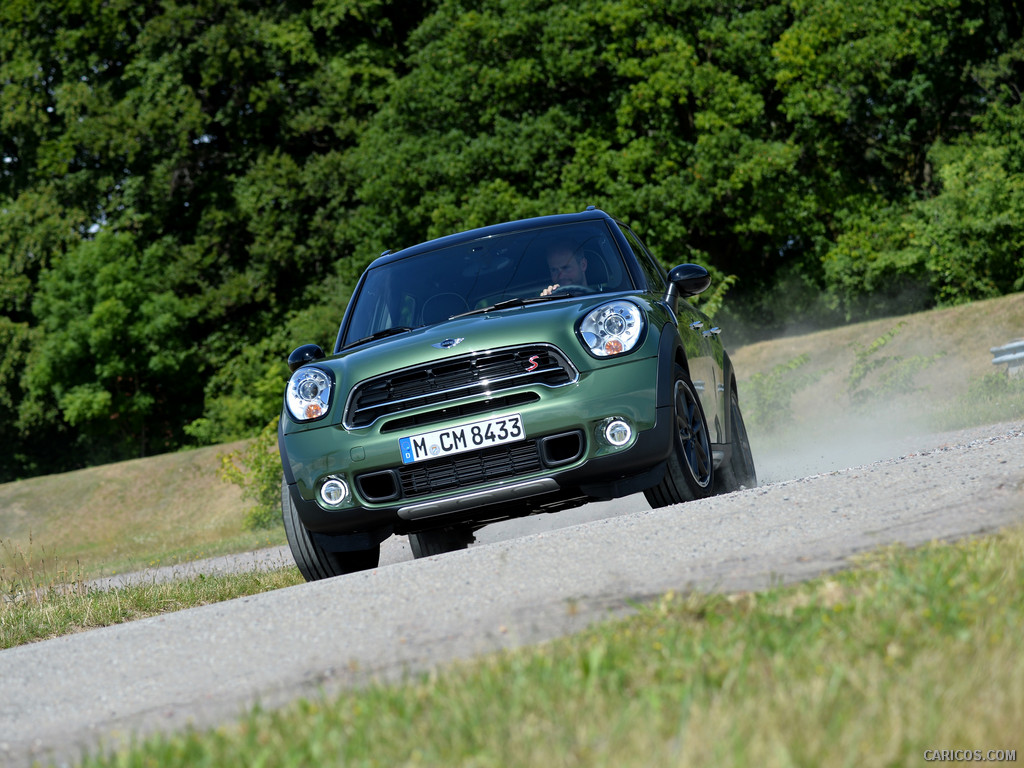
739 471
690 470
313 561
439 540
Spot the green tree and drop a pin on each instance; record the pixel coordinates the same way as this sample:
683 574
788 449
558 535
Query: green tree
201 142
108 364
873 93
962 243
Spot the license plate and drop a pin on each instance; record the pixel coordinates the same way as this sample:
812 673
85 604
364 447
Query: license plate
467 437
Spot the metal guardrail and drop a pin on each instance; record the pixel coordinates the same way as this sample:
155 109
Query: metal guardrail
1012 355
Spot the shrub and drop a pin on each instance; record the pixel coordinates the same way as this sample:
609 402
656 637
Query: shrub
257 471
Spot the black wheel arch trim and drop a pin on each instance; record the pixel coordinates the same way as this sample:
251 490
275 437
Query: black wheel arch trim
670 351
289 476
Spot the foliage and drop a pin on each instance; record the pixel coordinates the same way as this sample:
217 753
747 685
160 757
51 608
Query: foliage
189 189
108 361
256 469
711 301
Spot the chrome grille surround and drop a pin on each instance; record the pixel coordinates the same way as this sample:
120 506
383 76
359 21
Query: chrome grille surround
479 374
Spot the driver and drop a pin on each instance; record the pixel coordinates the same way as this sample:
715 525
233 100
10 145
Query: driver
567 267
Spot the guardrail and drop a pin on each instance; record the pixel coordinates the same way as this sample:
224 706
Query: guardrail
1012 355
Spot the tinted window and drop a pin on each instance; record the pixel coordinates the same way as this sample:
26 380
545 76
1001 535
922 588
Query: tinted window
430 287
656 277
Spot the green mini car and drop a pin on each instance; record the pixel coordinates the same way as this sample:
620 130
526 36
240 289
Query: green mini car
526 367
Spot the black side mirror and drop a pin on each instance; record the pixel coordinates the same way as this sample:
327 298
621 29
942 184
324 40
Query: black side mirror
686 280
307 353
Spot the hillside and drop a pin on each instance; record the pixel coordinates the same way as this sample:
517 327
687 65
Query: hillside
153 511
850 394
174 507
962 336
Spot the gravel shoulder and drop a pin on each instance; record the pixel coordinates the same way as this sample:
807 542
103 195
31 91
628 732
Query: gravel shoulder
209 664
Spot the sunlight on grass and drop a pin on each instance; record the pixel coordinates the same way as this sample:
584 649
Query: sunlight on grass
30 613
912 650
121 517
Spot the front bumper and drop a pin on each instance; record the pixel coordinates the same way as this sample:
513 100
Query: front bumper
563 461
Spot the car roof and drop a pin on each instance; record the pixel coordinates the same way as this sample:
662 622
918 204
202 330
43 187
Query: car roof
591 214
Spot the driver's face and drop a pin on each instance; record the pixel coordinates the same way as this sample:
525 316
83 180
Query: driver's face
566 269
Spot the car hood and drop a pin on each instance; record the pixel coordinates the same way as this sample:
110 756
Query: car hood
552 323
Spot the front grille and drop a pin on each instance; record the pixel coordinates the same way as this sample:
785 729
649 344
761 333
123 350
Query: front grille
479 374
468 469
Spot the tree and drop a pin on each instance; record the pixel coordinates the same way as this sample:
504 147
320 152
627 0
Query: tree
202 142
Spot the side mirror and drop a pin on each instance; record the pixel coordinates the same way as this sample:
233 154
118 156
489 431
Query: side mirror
686 280
307 353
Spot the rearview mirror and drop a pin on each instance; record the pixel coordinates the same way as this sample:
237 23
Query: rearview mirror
307 353
686 280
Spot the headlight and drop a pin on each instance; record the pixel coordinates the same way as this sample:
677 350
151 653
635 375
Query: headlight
612 329
309 394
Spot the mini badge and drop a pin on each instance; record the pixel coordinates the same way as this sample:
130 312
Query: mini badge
448 343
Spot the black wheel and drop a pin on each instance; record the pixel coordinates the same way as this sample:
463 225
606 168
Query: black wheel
738 472
439 540
690 471
314 561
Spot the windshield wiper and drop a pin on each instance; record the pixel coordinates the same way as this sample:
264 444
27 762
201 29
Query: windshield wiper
380 335
512 304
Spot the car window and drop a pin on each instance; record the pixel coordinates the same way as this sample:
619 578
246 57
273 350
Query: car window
429 287
656 277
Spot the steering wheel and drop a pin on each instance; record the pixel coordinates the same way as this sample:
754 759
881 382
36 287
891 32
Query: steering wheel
572 287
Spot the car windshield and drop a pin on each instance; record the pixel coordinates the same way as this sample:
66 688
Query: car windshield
497 271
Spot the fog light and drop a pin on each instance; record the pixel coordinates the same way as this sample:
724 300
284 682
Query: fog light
334 491
617 431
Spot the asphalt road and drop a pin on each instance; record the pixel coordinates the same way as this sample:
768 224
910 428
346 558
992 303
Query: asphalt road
520 584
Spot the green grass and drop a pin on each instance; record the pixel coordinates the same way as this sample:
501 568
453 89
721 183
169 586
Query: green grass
913 650
54 611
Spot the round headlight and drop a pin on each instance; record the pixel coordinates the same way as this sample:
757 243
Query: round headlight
612 329
309 394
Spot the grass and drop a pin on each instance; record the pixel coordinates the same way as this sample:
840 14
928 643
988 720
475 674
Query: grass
58 532
913 650
68 607
849 391
122 517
